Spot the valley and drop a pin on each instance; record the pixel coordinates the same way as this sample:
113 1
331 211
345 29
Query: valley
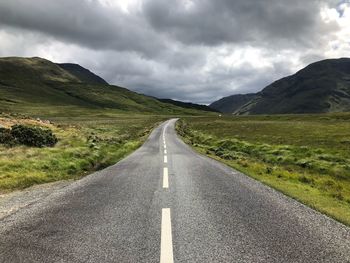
175 131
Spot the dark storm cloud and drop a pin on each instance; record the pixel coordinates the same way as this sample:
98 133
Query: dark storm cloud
86 23
225 21
197 22
196 50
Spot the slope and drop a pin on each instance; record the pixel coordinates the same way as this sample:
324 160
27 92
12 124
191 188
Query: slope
231 103
82 73
321 87
36 86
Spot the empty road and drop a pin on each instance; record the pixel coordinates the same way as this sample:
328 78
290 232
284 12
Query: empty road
166 203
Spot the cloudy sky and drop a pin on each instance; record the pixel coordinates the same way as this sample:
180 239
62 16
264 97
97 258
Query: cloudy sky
190 50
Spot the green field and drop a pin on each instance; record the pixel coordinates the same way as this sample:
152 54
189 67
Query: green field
305 156
85 144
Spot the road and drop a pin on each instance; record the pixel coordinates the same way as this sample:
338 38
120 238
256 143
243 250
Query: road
166 203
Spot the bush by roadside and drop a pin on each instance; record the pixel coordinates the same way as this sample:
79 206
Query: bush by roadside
27 135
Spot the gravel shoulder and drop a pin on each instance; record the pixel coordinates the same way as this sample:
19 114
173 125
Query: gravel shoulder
10 203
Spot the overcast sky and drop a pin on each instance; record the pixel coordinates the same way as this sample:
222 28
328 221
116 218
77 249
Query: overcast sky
190 50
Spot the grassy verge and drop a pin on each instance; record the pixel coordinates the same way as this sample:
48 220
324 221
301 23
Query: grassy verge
84 145
306 157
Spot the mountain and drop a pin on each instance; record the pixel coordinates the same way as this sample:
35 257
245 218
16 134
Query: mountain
231 103
36 86
188 105
321 87
81 73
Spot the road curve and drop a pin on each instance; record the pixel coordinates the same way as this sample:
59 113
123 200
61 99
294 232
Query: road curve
166 203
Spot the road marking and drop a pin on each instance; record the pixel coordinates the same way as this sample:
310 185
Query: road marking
164 151
165 159
164 146
165 178
166 242
164 129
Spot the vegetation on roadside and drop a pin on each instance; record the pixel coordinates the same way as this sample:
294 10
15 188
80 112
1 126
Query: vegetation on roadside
27 135
305 156
84 145
96 124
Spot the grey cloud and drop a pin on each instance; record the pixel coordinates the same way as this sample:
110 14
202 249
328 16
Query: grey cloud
164 82
86 23
312 57
206 22
225 21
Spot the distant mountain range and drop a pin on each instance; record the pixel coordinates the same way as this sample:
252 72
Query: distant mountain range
321 87
36 85
31 85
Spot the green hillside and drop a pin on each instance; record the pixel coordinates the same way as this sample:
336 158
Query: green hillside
232 103
38 87
321 87
81 73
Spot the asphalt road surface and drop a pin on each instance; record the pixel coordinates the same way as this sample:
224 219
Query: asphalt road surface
166 203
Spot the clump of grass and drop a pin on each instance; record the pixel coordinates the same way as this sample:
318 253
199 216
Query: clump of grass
306 180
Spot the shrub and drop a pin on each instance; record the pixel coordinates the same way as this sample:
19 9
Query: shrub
6 137
33 136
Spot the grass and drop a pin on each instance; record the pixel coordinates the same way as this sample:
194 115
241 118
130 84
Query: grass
85 145
305 156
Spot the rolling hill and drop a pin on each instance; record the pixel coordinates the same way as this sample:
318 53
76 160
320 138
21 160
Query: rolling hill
321 87
37 86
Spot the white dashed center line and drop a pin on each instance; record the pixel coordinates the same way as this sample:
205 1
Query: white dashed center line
166 243
165 178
